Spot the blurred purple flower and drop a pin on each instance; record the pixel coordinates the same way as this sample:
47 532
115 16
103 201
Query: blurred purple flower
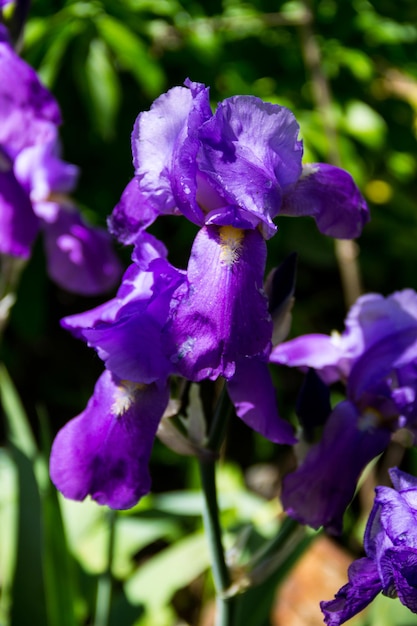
390 544
376 357
34 182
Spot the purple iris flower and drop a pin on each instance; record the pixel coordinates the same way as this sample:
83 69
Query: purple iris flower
231 173
34 183
390 545
240 166
376 358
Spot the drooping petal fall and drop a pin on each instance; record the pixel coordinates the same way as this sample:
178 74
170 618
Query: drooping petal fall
104 452
222 312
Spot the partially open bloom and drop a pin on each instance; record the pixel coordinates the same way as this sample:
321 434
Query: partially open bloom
390 544
231 173
376 357
34 183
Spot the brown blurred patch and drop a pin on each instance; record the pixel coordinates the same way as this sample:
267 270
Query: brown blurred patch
318 575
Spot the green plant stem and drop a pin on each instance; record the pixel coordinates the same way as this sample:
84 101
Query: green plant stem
221 576
105 582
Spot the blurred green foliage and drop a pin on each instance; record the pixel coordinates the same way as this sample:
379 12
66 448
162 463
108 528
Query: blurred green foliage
106 61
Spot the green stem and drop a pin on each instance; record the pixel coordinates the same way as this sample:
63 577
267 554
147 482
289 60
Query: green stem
221 576
105 582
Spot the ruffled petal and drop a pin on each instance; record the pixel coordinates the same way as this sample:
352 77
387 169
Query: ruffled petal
105 451
400 571
222 312
253 395
80 258
249 168
164 149
364 584
320 490
330 196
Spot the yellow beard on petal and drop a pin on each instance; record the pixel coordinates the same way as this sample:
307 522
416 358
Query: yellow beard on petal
125 396
230 244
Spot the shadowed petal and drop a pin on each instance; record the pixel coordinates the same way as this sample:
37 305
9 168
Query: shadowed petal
253 395
320 490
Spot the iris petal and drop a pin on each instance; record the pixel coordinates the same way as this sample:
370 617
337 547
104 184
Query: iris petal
104 452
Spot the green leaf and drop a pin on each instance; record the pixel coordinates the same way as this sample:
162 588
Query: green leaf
132 54
134 534
60 585
19 432
28 592
8 534
59 39
158 579
103 87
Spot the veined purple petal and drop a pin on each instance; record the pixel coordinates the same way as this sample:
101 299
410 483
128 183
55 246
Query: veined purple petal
105 451
406 485
397 519
80 258
222 312
250 153
363 586
399 565
28 111
18 223
163 144
330 196
320 490
253 395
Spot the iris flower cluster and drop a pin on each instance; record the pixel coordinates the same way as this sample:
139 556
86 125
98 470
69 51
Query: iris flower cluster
390 564
376 359
34 183
231 172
